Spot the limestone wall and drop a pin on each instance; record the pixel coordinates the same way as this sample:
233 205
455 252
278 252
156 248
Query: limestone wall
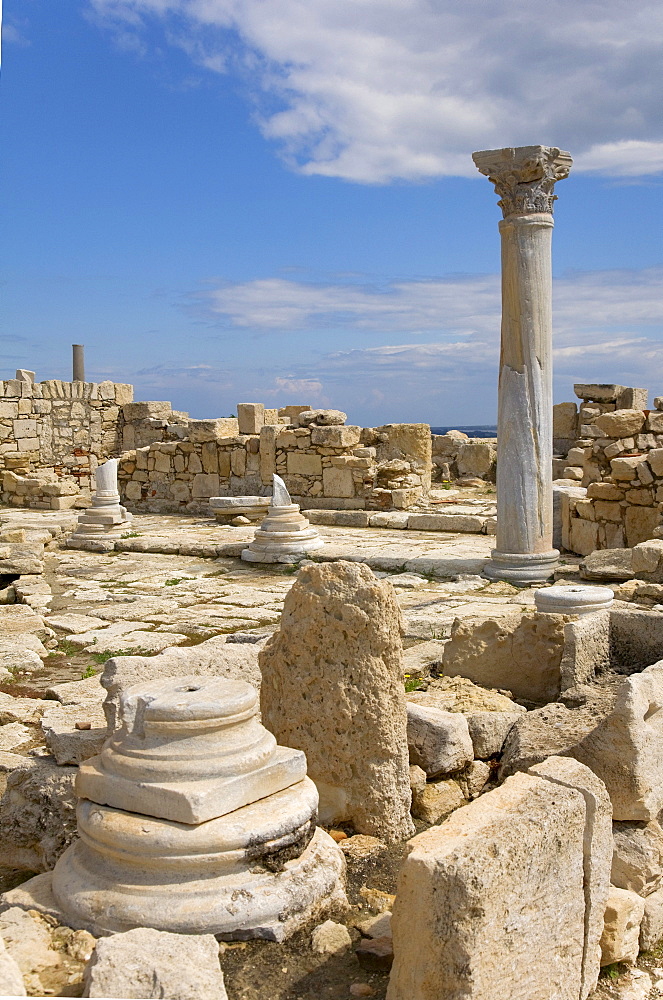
457 456
52 436
177 463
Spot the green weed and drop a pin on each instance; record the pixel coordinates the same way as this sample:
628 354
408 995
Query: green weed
67 647
131 534
89 672
413 684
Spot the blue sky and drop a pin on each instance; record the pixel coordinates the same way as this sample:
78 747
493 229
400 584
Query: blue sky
274 200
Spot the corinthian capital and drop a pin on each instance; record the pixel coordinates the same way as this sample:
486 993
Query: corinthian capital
524 177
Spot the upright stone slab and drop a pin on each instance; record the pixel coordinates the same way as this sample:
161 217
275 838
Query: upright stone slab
624 750
525 178
333 687
491 903
598 849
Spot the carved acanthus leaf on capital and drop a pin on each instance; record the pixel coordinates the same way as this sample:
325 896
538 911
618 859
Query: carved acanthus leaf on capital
524 176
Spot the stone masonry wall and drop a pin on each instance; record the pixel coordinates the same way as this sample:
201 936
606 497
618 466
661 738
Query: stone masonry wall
53 435
181 463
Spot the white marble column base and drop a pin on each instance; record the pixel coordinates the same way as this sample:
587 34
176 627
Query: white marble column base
521 568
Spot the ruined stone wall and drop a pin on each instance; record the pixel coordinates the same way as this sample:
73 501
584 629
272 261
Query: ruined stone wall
182 463
53 435
458 456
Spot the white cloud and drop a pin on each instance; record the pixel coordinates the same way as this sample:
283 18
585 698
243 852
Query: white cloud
370 90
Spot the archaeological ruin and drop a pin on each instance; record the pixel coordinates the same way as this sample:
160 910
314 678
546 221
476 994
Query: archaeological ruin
292 708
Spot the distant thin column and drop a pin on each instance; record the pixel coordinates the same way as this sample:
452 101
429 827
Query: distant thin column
524 178
78 352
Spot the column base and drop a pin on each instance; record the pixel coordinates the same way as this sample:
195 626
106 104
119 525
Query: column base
521 568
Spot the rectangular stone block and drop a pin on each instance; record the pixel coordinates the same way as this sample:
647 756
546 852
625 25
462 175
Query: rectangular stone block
446 522
250 417
491 903
336 436
337 482
212 430
268 436
597 854
204 486
301 464
583 536
192 801
601 392
159 409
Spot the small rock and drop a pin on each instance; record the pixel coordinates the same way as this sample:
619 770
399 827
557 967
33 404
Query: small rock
377 926
338 835
146 962
417 778
473 778
376 900
361 846
330 938
439 742
621 929
240 521
361 990
437 800
375 954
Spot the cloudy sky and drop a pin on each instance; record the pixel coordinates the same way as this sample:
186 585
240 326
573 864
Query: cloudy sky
274 200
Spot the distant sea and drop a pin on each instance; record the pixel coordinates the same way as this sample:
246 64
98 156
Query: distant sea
477 431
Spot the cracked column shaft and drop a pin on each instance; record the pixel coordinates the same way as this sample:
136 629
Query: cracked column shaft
524 178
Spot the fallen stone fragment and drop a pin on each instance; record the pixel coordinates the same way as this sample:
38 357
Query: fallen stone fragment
37 816
77 692
28 942
464 906
637 861
13 735
72 623
145 964
473 779
439 742
361 846
624 748
437 800
651 928
11 978
554 729
417 778
74 733
489 730
460 694
376 900
620 941
375 954
378 925
16 619
25 710
330 938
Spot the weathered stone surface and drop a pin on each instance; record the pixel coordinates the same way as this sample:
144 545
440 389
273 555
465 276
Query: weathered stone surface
332 686
330 938
637 861
145 963
439 742
466 895
640 523
607 564
488 731
621 423
651 928
519 652
601 392
435 801
37 816
597 854
27 942
213 657
74 734
11 978
459 694
620 941
553 729
586 649
624 749
18 618
636 639
473 778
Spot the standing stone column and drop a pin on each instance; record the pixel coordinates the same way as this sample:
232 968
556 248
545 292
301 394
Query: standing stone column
525 178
